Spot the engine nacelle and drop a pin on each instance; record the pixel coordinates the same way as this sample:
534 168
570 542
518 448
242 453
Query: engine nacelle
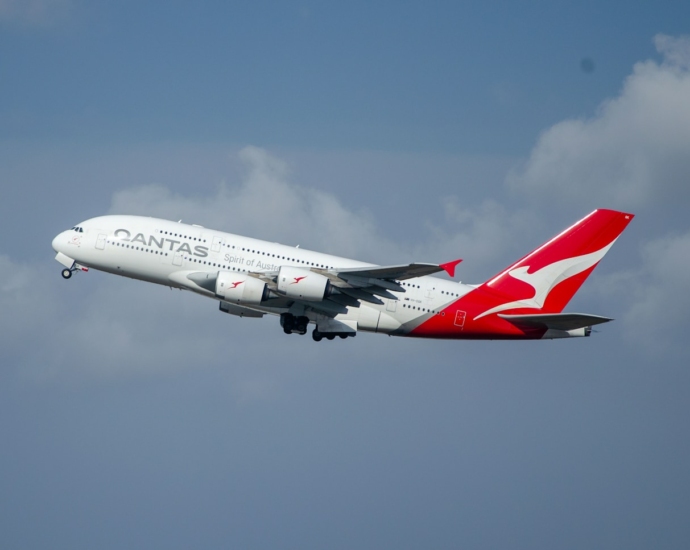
295 282
239 288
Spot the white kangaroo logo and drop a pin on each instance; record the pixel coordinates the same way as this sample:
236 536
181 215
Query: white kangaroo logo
546 278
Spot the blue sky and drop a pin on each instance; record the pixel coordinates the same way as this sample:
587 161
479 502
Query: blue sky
459 78
133 416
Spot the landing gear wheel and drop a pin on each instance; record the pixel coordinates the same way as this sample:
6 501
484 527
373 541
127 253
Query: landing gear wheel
287 320
291 324
343 335
301 324
316 335
330 336
66 273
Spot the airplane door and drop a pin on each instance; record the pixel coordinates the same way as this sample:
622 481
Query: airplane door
177 258
216 243
100 241
391 305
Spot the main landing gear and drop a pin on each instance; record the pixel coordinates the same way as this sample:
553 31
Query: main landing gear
67 273
298 324
318 336
291 323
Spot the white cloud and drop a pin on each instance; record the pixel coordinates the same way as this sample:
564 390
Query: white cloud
633 154
103 326
266 205
676 50
484 235
96 326
107 326
658 293
634 151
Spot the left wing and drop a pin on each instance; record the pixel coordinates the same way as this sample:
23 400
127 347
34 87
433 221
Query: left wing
348 286
364 284
370 284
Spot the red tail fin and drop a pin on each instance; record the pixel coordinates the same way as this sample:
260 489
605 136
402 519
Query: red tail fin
547 278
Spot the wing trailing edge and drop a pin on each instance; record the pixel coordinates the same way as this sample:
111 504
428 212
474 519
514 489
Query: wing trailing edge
398 272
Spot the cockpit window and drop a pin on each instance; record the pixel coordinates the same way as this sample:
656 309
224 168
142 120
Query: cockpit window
78 229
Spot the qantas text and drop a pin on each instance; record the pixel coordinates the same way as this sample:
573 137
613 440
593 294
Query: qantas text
199 251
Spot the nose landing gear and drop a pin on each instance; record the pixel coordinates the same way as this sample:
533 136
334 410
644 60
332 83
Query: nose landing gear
67 272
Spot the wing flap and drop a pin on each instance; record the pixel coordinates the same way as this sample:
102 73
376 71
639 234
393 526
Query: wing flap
361 295
344 299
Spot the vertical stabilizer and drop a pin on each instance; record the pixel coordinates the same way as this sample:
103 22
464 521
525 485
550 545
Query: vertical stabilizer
548 277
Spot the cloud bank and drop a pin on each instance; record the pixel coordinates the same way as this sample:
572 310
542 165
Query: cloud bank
632 152
266 205
647 126
658 295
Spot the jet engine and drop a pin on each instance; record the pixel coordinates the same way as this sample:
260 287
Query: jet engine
302 284
238 288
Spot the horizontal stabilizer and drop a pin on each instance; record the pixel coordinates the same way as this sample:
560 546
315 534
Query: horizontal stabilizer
555 321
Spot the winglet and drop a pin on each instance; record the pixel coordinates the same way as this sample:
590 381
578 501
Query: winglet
449 267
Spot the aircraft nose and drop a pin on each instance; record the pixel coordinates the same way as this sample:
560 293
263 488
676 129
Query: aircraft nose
58 242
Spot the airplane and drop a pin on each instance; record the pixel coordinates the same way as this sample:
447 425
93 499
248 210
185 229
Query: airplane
339 296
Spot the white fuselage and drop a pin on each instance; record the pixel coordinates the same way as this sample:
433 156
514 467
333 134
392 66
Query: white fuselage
164 252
